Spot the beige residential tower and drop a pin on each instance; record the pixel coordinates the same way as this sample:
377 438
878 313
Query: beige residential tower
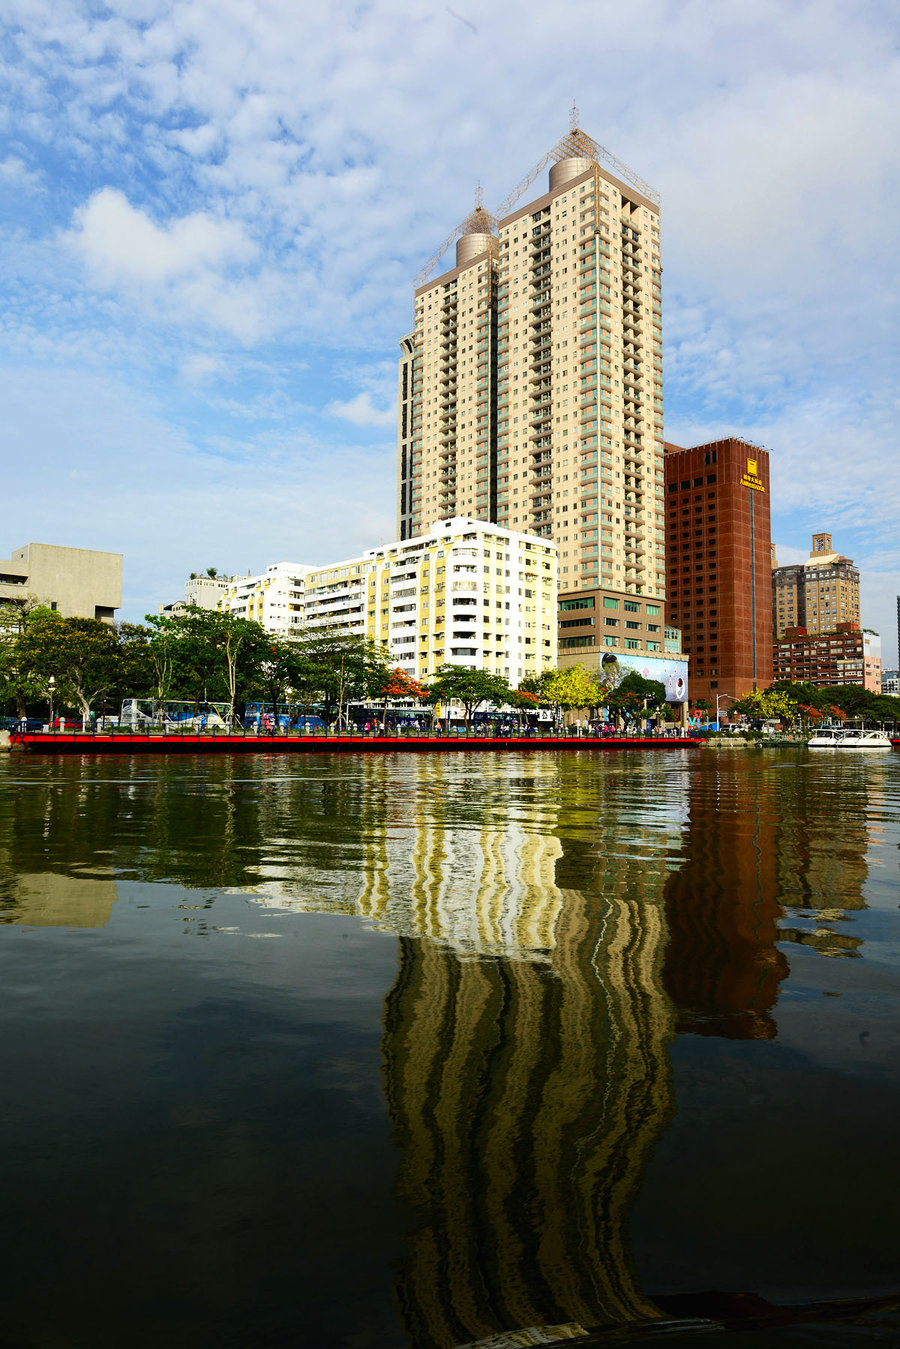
531 385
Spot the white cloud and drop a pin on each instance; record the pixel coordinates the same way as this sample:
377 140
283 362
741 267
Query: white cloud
172 501
361 411
276 174
123 245
199 368
186 269
14 172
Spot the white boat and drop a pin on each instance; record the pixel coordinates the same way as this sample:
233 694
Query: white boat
864 740
826 737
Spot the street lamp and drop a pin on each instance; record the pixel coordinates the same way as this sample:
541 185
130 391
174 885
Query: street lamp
52 684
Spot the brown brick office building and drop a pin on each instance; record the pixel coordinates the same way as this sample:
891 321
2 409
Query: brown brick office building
719 565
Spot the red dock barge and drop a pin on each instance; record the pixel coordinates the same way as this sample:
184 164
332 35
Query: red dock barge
79 742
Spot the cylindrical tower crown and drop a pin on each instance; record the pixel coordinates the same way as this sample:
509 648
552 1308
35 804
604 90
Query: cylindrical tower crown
469 246
567 169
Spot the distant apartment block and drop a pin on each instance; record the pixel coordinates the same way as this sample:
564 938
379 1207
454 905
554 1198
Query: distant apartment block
719 564
274 598
466 592
76 582
816 594
844 656
890 682
201 591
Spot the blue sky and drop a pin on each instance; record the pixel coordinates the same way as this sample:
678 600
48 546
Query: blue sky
212 211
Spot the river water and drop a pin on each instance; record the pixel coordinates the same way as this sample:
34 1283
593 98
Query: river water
436 1051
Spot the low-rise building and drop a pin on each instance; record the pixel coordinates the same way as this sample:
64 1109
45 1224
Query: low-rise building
76 582
597 628
844 656
890 682
200 592
466 592
593 623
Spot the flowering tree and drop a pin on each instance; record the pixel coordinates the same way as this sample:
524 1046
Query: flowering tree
396 686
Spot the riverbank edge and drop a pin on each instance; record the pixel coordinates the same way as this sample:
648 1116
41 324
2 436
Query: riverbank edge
37 742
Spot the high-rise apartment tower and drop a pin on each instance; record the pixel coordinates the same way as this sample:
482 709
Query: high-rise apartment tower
531 386
816 594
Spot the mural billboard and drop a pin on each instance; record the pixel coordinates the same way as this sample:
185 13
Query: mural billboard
667 670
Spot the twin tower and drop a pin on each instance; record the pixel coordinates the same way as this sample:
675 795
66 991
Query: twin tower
531 385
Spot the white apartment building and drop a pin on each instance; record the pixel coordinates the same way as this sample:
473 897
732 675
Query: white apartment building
274 598
466 592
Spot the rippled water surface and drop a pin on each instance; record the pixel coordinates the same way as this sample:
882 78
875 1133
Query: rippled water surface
444 1051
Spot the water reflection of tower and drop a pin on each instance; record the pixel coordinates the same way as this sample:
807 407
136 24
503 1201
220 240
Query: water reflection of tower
478 880
722 967
822 843
526 1095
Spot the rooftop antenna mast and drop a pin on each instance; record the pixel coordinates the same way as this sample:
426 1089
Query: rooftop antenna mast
478 221
577 144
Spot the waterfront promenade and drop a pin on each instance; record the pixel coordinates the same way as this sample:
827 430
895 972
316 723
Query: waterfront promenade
79 742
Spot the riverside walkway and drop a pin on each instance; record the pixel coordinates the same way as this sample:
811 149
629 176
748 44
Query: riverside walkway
239 742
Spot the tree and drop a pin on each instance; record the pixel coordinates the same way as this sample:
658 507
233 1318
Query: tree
206 654
572 688
332 667
18 682
137 667
470 687
634 696
395 686
82 655
524 699
763 704
166 657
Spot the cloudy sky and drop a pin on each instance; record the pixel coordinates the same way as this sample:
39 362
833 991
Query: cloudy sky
212 210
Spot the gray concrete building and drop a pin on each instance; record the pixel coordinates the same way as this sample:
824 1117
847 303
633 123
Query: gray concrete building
76 582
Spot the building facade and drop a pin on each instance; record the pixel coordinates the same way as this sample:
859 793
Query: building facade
843 656
274 598
76 582
890 682
533 377
719 552
465 593
816 594
201 591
